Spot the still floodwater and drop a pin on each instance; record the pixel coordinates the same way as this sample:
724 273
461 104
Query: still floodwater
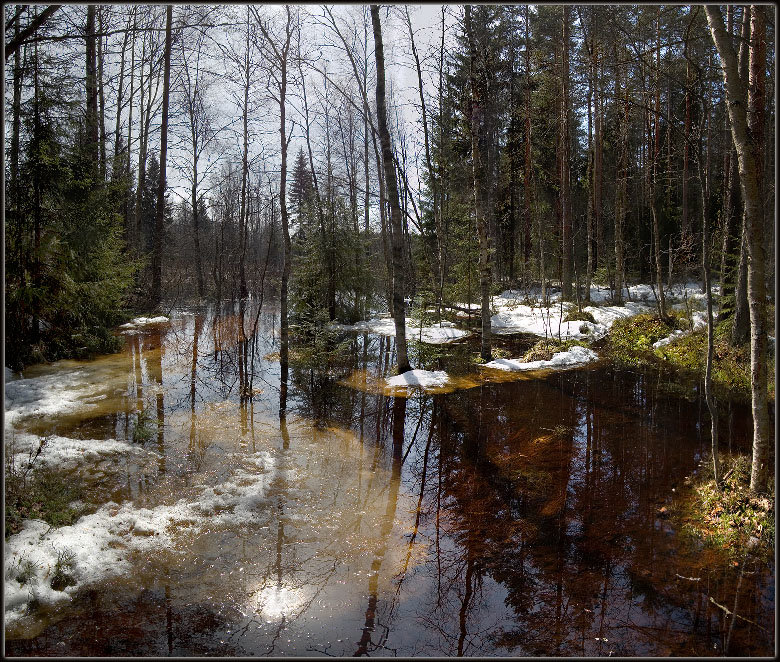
509 518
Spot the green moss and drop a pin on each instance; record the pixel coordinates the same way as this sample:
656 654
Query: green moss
732 517
731 365
631 339
687 353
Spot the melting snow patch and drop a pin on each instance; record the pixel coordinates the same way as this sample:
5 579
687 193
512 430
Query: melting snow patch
574 357
385 326
100 545
549 322
47 395
669 339
699 322
422 378
434 335
143 321
64 453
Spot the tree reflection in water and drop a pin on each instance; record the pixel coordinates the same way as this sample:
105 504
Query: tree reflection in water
514 518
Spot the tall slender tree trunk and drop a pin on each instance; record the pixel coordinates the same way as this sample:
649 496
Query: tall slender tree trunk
437 253
656 148
129 226
565 194
101 96
598 157
704 187
589 267
748 153
37 195
159 228
620 194
116 166
281 54
527 160
741 328
143 132
242 222
686 222
476 76
16 125
93 135
392 193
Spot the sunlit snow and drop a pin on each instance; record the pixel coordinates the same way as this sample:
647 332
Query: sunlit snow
422 378
573 357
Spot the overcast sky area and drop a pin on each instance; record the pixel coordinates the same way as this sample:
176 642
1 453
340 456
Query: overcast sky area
318 41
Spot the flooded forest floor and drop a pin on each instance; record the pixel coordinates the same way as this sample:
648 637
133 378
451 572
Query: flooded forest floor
225 508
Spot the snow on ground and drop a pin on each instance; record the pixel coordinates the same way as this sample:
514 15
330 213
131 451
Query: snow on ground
143 321
422 378
513 317
100 545
385 326
575 356
521 312
64 453
47 395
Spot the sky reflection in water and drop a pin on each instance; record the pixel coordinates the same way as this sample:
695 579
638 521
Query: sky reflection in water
514 518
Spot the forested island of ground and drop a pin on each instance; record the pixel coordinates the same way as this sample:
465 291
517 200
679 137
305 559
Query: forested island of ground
389 329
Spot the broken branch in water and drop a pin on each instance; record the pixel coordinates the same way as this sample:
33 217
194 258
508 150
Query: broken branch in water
730 613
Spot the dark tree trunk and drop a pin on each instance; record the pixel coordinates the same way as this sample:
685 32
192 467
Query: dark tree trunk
159 228
527 160
392 194
93 136
101 97
476 76
565 195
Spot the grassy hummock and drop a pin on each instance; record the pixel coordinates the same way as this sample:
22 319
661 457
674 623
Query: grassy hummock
730 518
630 342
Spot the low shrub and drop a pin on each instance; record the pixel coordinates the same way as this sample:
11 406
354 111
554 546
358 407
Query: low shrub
579 316
36 492
144 429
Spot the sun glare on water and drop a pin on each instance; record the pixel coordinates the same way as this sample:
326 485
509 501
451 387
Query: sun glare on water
276 602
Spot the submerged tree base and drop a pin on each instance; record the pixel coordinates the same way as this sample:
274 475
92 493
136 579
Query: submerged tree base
730 518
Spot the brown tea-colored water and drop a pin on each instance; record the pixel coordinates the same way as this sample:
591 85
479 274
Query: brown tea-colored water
501 518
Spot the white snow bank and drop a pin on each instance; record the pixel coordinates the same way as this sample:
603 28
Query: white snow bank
65 453
100 545
143 321
422 378
47 395
385 326
573 357
548 322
